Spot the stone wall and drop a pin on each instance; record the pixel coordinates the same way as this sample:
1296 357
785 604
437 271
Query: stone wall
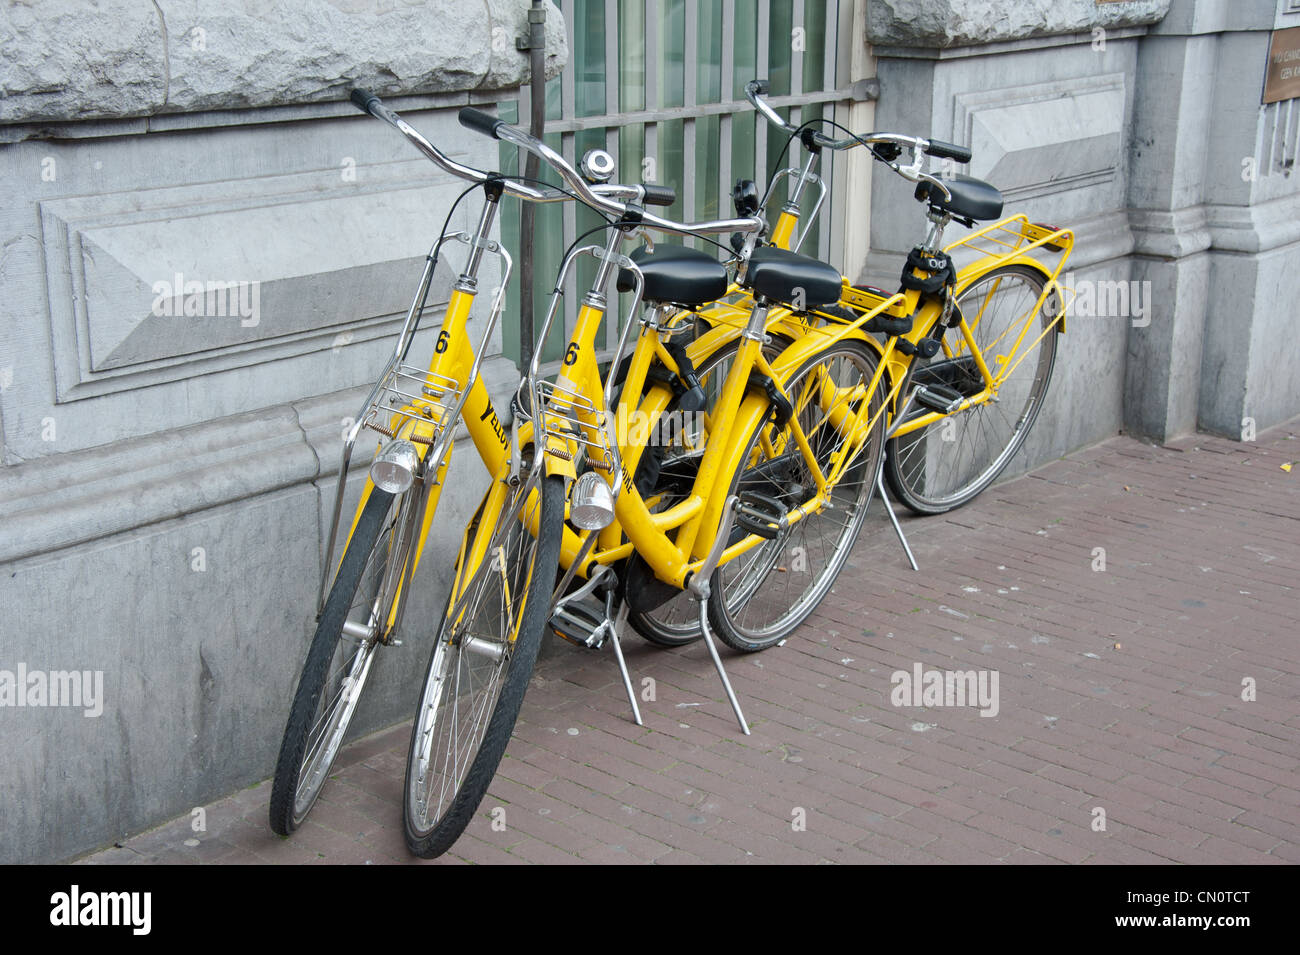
167 470
167 475
1131 123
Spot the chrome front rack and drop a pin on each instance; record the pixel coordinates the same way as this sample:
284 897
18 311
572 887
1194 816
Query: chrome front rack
409 386
801 178
562 406
563 412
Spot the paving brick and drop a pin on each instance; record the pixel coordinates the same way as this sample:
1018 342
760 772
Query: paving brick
1199 592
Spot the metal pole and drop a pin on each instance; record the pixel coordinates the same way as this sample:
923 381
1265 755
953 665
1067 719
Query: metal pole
536 126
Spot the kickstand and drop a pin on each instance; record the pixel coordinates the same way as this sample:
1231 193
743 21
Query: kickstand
889 509
614 628
608 627
880 482
699 587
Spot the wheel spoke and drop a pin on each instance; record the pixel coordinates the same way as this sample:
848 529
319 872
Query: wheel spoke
455 728
950 461
765 595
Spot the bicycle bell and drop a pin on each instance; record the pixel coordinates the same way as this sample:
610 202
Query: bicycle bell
597 165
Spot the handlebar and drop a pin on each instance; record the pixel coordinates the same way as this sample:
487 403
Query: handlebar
936 147
755 90
368 102
605 198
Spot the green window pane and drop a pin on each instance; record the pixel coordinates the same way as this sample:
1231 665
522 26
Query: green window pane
814 57
588 58
743 144
779 36
708 66
744 49
708 203
631 49
671 163
672 52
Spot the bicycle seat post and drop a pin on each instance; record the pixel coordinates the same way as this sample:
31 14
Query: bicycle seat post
938 222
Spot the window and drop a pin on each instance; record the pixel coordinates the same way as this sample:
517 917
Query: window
660 85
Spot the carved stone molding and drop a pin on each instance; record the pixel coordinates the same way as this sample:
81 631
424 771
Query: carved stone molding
1044 138
134 278
951 23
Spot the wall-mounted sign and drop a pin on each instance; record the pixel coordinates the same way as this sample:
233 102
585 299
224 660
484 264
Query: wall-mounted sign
1282 78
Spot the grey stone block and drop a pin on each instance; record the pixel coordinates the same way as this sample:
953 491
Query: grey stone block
949 23
67 60
197 665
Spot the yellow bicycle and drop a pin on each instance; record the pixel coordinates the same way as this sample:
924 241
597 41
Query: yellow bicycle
788 438
965 350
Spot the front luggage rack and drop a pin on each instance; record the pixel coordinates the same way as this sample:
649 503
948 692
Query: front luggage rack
407 395
563 412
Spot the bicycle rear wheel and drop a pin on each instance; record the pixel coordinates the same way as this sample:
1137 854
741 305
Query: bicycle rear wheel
760 597
336 668
947 463
479 669
676 622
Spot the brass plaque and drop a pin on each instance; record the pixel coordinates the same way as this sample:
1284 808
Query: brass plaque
1282 80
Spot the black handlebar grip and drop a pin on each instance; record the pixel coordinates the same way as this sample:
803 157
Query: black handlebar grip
952 151
659 195
480 121
761 87
362 99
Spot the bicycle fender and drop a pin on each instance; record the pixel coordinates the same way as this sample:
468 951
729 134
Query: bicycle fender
559 460
977 270
815 341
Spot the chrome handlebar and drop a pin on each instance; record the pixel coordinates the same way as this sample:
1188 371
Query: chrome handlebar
602 197
598 197
912 171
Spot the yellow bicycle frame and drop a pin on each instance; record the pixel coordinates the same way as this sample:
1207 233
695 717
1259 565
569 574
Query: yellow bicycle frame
734 415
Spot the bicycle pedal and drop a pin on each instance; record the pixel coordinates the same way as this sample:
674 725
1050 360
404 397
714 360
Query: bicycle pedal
581 623
939 398
762 515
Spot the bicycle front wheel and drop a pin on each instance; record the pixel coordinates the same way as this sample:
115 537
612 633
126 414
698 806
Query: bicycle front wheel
760 597
482 659
336 668
947 463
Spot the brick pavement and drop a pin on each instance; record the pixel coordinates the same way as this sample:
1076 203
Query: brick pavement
1119 690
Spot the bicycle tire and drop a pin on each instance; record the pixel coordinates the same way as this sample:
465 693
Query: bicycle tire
949 462
755 600
534 565
310 735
